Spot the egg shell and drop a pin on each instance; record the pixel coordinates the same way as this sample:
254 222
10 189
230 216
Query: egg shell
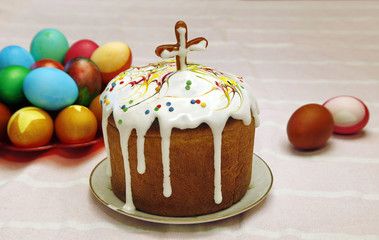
112 58
47 63
87 77
350 114
50 88
75 124
5 115
81 48
15 55
11 84
49 43
30 127
96 109
310 127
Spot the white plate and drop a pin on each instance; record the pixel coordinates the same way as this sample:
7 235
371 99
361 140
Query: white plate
262 180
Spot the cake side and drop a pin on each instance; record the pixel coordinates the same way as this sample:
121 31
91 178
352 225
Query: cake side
177 100
191 168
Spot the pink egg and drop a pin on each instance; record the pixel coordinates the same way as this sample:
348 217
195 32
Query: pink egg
349 113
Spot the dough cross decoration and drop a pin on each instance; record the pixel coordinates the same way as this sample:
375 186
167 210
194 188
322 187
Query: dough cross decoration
182 47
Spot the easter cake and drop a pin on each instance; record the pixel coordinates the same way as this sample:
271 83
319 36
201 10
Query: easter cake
179 136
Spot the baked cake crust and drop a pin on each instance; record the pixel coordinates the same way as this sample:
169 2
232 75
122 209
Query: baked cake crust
192 168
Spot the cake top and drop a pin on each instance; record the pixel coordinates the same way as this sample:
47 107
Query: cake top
182 99
180 94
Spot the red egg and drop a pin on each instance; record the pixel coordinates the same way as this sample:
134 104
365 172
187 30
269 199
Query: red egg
310 127
5 115
81 48
349 113
86 76
47 63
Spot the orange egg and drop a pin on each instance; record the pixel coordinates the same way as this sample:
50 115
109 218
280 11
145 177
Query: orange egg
96 109
30 127
111 59
75 124
310 127
5 115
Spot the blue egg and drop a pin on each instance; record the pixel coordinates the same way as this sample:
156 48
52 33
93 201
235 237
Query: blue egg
15 55
50 88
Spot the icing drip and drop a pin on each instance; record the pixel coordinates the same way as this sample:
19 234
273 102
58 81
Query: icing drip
178 99
166 133
217 135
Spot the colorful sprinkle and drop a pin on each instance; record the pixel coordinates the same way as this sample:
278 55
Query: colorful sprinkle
101 102
147 112
188 83
157 88
159 106
122 82
156 108
113 85
193 101
120 121
131 101
171 109
123 106
168 104
242 87
125 109
203 104
198 101
111 89
107 102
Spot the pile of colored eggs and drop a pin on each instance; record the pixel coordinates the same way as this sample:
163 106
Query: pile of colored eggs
54 88
311 126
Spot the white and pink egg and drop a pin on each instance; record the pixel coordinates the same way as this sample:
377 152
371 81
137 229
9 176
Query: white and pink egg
350 114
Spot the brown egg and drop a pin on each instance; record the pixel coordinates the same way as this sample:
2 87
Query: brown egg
310 127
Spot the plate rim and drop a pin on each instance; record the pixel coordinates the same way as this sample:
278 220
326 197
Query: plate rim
182 220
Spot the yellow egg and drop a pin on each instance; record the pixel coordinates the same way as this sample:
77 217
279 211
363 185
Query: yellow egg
111 59
30 127
75 124
96 109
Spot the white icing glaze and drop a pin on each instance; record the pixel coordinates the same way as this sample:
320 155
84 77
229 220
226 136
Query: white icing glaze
138 96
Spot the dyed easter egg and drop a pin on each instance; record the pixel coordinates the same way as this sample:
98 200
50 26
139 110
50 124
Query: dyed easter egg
112 58
30 127
5 115
349 113
11 82
75 124
87 77
310 127
81 48
47 63
96 109
15 55
50 88
49 43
